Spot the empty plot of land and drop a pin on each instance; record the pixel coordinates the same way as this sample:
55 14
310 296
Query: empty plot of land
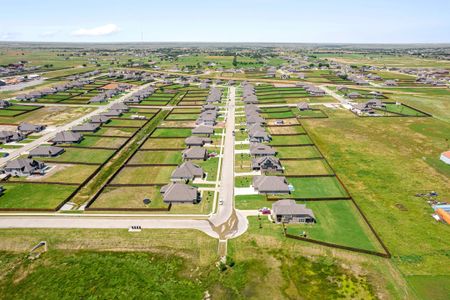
34 196
144 175
156 157
79 155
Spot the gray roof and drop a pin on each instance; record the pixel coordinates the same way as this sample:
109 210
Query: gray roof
203 129
302 105
261 149
99 119
112 113
46 151
266 162
30 127
179 192
271 184
197 141
195 153
24 165
67 137
290 207
91 127
187 170
119 106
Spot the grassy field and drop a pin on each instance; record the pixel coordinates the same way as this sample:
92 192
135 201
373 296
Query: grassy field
29 195
338 222
144 175
82 156
156 157
384 163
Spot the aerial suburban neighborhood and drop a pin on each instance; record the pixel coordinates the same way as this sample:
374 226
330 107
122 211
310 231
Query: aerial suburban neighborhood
269 168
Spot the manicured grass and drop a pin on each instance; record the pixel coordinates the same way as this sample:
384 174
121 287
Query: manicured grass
251 201
62 173
338 222
316 187
404 110
209 166
306 167
243 181
144 175
156 157
129 197
297 152
82 155
29 195
290 140
182 117
172 132
93 141
125 122
164 143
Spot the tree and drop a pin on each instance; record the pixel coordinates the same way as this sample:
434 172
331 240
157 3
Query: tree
235 60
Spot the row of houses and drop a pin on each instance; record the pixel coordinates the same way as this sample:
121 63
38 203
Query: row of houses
140 95
33 96
311 89
109 91
83 75
179 191
30 166
264 160
7 136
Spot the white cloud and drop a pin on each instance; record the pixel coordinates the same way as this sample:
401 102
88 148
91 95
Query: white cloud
97 31
49 33
6 36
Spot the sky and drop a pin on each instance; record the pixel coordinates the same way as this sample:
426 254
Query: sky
285 21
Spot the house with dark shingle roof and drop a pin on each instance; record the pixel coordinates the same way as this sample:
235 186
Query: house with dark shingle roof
257 149
270 184
100 119
266 163
187 171
10 136
303 106
24 167
86 127
30 128
176 192
67 137
288 211
46 151
203 130
197 141
195 153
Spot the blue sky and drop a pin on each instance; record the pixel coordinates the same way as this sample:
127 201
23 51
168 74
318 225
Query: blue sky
326 21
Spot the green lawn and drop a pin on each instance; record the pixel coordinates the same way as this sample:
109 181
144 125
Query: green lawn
28 195
82 155
306 167
290 140
156 157
144 175
164 143
297 152
430 287
172 132
338 222
316 187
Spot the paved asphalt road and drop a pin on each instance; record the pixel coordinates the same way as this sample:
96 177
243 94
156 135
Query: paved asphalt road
226 223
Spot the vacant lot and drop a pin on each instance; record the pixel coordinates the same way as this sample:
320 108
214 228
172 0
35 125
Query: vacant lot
164 143
338 222
78 155
31 195
144 175
156 157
